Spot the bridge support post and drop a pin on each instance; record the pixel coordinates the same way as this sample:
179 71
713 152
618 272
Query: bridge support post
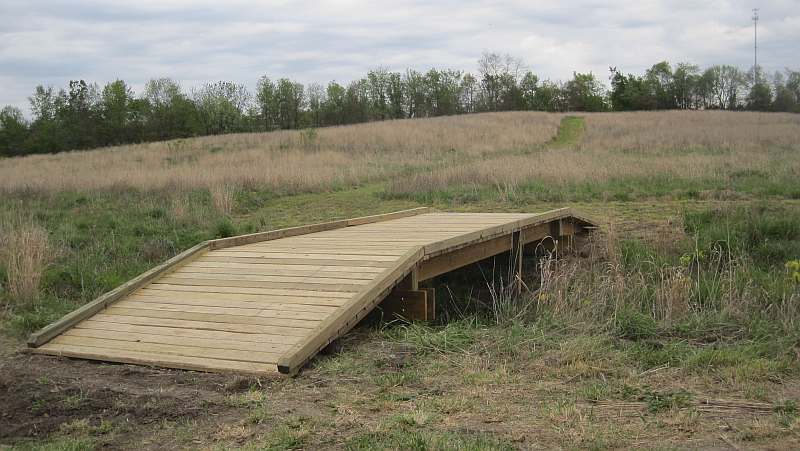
516 259
409 305
411 281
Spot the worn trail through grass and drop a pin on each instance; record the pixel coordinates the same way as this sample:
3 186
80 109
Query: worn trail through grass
570 132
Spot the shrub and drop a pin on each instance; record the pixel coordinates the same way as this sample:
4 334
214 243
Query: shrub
224 228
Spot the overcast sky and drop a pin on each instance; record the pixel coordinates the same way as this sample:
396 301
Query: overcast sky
50 42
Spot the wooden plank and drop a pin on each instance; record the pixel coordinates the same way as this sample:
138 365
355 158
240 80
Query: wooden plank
388 216
393 235
164 350
202 325
296 261
304 256
314 228
267 278
172 361
275 234
451 244
272 348
288 309
288 273
318 249
298 300
447 262
408 243
347 316
235 311
260 338
535 233
492 232
276 269
408 305
217 282
431 303
45 334
237 290
213 317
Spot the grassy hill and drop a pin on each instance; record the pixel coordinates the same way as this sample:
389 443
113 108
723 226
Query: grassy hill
678 328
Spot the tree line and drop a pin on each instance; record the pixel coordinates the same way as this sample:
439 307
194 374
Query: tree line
82 115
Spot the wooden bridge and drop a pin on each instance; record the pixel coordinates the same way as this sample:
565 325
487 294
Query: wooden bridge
270 301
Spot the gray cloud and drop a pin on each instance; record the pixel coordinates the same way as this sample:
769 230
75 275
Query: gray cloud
50 41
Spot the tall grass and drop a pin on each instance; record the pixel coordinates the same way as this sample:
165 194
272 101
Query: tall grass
634 155
25 252
284 161
697 277
635 286
509 154
223 197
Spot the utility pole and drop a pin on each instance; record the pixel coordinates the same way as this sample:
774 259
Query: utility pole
755 45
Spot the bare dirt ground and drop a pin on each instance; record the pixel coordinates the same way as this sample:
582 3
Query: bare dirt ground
541 403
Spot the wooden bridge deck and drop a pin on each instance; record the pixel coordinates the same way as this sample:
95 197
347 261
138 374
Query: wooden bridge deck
269 302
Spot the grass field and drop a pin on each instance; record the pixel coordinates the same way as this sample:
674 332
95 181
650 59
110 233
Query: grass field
678 328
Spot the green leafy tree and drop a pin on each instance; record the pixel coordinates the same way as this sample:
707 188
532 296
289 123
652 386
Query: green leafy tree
46 133
333 109
316 99
527 88
170 114
661 87
549 96
785 99
585 93
267 101
760 97
397 96
79 114
222 107
290 97
121 114
684 84
415 96
13 132
357 102
469 93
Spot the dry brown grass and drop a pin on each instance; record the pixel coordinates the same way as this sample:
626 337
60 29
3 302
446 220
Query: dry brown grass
500 150
667 145
223 197
25 252
655 133
284 161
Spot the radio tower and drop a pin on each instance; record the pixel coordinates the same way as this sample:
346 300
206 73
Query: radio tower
755 45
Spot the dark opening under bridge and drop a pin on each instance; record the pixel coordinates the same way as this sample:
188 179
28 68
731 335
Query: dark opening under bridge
270 301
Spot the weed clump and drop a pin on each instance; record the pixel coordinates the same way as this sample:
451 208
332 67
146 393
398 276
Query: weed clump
25 253
224 228
634 325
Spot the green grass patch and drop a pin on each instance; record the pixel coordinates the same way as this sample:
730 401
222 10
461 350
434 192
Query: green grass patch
570 132
768 235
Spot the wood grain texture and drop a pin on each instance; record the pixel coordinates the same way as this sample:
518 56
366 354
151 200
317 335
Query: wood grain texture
270 301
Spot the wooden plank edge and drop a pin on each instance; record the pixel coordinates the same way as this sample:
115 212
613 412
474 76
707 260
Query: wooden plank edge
388 216
348 315
257 237
50 331
458 242
153 363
